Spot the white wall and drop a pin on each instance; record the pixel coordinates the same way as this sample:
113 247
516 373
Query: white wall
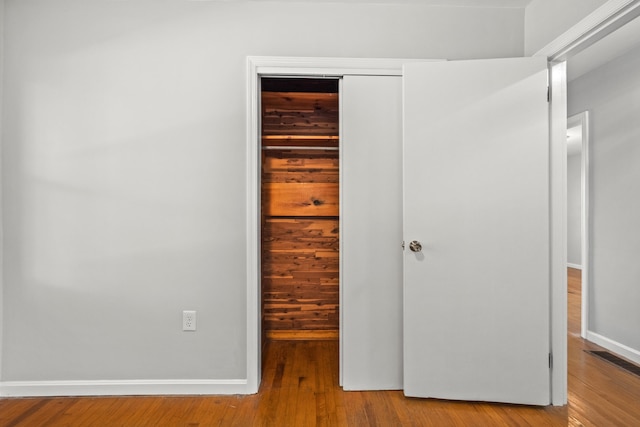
611 94
124 168
545 20
574 209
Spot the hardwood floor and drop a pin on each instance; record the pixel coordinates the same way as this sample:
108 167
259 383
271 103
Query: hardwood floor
300 388
600 393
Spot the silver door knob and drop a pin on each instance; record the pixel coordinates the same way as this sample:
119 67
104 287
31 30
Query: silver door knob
415 246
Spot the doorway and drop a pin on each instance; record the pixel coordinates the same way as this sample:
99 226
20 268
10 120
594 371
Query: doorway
370 279
299 208
578 209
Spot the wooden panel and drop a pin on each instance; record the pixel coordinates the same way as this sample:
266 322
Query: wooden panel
300 183
300 166
300 199
300 141
300 206
300 274
304 335
299 113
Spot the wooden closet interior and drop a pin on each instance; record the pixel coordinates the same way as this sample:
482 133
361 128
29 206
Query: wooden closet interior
300 208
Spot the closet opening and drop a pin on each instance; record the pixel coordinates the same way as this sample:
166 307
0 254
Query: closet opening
299 208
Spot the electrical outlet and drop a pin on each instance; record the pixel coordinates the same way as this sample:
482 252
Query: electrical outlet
189 320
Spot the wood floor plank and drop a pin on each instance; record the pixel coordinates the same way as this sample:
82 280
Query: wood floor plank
22 410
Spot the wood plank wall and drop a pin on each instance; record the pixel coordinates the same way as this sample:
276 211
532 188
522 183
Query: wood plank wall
300 208
299 113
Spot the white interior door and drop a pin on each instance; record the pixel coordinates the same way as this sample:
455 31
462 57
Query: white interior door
476 196
371 232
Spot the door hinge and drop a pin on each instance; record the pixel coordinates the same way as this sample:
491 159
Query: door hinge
403 245
550 360
548 93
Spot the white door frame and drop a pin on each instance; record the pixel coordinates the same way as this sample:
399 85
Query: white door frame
258 67
594 27
582 120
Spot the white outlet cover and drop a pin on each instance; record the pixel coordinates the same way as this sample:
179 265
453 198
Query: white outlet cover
189 320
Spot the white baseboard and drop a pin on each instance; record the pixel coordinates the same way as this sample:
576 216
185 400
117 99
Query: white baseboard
615 347
576 266
122 388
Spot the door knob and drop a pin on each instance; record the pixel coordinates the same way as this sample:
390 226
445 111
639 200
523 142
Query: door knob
415 246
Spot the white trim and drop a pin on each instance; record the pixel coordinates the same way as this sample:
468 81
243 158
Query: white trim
627 352
254 361
124 387
336 67
576 266
582 119
2 50
258 66
558 231
594 27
